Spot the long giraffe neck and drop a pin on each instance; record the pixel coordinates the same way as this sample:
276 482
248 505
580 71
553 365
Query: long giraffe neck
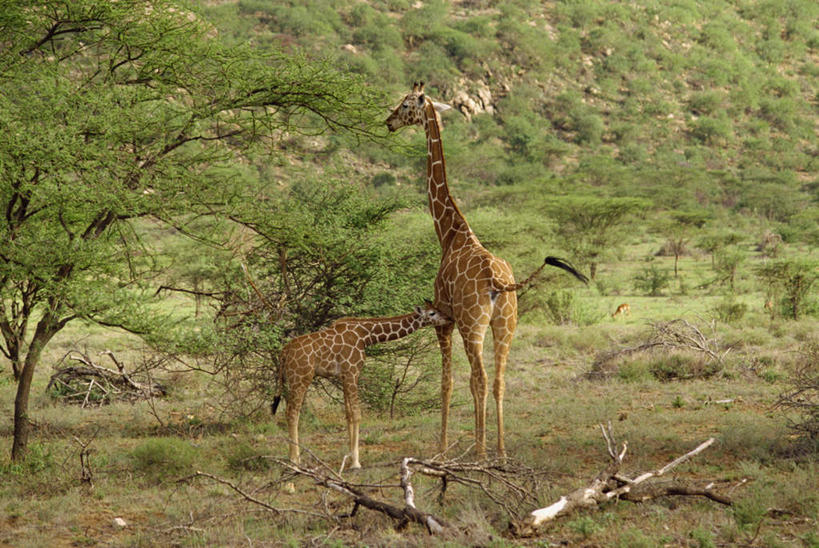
388 329
448 219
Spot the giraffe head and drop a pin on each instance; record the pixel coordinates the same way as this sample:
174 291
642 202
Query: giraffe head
429 315
411 110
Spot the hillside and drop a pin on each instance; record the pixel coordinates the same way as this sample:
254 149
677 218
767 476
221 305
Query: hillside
691 104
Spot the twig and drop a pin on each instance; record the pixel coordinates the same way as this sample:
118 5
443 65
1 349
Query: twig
244 494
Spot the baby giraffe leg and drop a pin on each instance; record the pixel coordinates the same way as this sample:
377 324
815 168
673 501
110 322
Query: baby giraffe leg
295 400
352 409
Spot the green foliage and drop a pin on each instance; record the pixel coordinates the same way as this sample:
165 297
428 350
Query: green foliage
728 310
592 228
38 459
634 538
144 124
585 526
558 306
749 511
562 307
399 377
163 458
728 262
651 280
681 366
243 456
793 279
703 538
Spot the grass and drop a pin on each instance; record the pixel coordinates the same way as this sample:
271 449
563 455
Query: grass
139 450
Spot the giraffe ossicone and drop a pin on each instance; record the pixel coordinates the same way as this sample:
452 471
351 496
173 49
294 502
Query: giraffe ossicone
337 351
473 287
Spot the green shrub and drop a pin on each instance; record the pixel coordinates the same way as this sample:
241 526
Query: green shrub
585 526
385 178
652 280
243 456
634 371
589 127
712 131
634 538
681 366
706 102
162 457
748 512
703 538
729 310
38 458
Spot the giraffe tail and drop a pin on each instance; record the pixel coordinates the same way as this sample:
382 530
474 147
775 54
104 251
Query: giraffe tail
275 405
551 261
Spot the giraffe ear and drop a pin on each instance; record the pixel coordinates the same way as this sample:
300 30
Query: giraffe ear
418 310
441 107
428 302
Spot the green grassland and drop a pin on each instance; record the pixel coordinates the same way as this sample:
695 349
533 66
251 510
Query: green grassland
696 110
553 407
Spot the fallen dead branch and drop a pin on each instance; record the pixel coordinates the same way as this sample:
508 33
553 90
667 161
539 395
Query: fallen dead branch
93 384
612 484
676 334
408 514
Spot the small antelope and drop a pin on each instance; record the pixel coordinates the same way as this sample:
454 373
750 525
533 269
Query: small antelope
622 310
337 351
769 306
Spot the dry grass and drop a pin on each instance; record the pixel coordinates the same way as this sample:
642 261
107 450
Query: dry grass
139 450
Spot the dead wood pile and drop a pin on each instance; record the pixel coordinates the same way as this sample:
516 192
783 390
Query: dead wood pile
90 383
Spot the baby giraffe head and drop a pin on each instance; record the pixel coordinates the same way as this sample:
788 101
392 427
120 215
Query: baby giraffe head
429 315
411 110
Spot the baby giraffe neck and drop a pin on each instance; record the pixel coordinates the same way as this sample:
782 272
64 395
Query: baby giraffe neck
390 329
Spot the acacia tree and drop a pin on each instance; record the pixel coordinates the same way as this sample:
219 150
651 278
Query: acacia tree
792 278
679 229
117 112
592 228
315 252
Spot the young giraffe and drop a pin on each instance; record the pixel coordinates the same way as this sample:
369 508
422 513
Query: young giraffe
337 352
473 287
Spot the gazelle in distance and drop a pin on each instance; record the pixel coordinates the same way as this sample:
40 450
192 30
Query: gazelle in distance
622 310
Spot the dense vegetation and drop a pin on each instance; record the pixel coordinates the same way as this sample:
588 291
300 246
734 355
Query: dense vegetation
210 180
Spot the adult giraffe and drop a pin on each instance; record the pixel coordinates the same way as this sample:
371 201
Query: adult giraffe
473 287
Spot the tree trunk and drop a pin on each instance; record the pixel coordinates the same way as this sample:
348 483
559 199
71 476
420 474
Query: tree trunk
45 330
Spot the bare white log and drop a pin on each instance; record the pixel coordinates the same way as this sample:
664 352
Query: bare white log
431 522
610 484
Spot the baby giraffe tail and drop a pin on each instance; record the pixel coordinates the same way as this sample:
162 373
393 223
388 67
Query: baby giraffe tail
551 261
278 398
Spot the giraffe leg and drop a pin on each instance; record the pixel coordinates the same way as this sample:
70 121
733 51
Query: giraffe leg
473 344
503 324
352 410
295 399
444 334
